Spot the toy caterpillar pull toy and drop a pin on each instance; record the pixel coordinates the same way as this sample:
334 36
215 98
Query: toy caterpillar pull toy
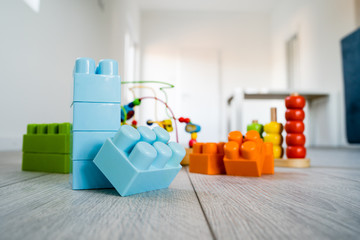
191 128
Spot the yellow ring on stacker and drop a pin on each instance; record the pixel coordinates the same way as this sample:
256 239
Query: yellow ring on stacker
274 138
278 151
273 127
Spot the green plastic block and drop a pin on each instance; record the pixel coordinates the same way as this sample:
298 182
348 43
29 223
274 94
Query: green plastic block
46 162
48 138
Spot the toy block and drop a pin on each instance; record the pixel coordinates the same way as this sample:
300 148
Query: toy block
186 159
268 167
207 158
87 144
85 175
47 138
96 116
100 85
139 160
248 156
46 162
47 148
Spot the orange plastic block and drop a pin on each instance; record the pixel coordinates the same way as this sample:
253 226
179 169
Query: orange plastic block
249 156
207 158
268 167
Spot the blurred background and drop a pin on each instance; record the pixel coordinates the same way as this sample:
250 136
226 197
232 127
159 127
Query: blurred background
230 60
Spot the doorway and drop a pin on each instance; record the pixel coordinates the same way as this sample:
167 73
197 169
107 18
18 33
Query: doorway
199 99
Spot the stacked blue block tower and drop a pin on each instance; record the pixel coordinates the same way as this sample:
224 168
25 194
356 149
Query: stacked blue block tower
96 117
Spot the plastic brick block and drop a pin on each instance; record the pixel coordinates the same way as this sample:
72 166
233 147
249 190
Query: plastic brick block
46 162
268 167
136 161
87 144
47 148
96 116
100 85
186 159
85 175
47 138
249 156
207 158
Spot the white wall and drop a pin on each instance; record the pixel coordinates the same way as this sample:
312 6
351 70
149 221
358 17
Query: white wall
320 25
125 18
241 39
38 51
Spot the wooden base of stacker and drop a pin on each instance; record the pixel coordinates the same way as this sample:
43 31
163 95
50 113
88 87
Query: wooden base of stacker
292 162
186 159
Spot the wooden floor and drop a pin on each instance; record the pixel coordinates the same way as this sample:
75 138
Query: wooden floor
322 202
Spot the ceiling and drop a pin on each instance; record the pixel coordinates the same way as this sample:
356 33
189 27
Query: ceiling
253 6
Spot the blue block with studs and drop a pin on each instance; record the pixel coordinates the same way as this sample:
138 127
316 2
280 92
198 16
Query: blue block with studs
96 117
139 160
87 144
85 175
96 85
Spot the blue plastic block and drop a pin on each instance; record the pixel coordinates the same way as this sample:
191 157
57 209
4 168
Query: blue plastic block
85 175
136 161
87 144
96 116
161 135
102 85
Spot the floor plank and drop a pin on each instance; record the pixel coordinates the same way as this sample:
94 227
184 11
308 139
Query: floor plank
340 162
46 207
335 157
314 203
322 202
10 170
